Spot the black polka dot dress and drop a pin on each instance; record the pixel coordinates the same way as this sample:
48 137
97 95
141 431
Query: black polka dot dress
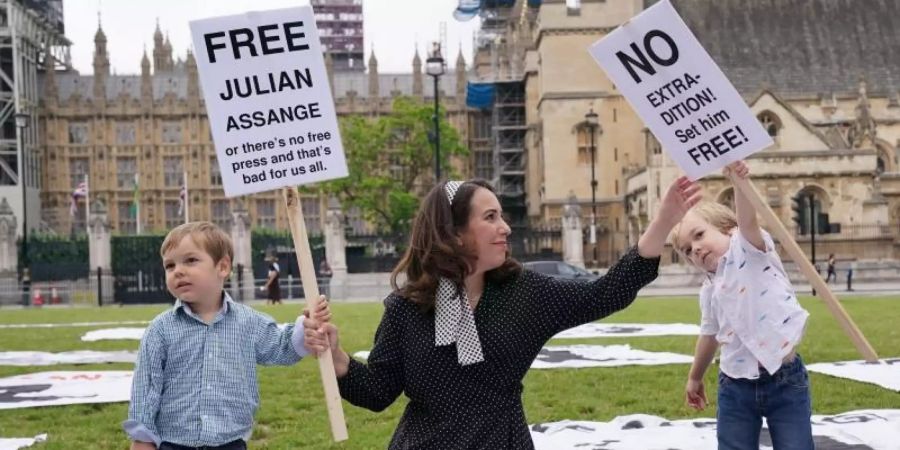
479 406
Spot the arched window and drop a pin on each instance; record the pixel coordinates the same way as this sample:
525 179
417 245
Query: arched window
884 162
770 122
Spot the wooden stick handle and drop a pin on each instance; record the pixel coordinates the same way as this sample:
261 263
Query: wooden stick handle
793 250
311 292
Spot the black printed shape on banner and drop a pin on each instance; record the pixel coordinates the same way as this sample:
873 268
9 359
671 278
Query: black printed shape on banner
10 394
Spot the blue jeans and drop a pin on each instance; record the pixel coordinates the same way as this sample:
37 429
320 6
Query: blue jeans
233 445
783 399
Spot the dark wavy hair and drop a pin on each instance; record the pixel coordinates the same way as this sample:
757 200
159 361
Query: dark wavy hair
436 251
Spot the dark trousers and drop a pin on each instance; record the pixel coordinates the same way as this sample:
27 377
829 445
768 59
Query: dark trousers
233 445
783 399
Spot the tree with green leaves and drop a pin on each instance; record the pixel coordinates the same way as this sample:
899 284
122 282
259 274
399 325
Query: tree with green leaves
390 161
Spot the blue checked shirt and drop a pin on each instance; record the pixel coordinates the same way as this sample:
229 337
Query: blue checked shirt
195 383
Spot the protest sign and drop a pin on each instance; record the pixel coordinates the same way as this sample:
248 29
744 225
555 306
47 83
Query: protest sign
699 118
679 92
268 100
273 122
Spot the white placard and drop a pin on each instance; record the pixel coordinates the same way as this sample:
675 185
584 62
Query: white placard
268 100
884 373
872 429
71 357
594 329
113 333
679 92
581 356
17 443
64 388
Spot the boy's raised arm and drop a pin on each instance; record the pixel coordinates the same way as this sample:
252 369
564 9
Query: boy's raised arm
746 214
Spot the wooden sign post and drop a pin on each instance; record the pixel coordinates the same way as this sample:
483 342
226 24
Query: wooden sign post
311 292
274 124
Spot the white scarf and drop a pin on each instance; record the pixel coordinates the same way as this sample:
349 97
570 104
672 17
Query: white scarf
454 320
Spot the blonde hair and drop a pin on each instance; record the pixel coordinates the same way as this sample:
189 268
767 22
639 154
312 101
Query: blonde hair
215 242
716 214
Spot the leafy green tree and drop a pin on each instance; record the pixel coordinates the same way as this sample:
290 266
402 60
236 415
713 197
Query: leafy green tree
391 162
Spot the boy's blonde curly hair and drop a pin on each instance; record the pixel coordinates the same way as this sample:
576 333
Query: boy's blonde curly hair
716 214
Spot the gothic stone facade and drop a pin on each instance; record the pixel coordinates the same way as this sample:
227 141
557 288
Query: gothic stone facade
822 77
112 127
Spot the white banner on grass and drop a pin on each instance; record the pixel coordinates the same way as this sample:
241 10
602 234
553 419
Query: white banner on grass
73 357
17 443
860 430
679 92
126 333
77 324
578 356
268 100
885 373
592 330
65 388
113 333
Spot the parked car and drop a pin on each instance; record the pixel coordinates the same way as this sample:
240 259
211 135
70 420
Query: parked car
559 269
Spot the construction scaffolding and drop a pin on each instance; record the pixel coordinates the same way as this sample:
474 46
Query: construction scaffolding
31 31
508 129
499 64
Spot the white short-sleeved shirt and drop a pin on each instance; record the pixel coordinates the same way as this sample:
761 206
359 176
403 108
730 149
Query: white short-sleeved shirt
750 306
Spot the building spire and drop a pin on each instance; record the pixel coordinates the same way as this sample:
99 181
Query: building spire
373 79
101 63
417 75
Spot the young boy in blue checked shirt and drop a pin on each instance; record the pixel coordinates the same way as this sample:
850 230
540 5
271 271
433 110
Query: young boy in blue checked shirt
195 377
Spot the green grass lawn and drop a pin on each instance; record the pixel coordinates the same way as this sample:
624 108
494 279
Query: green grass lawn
292 413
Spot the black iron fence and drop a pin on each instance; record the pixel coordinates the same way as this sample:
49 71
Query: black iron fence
852 231
60 267
374 252
138 271
538 242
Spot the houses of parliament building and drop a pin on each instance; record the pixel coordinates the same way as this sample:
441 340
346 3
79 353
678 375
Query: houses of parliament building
822 77
150 129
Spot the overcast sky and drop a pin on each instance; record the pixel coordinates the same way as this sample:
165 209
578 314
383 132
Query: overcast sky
394 27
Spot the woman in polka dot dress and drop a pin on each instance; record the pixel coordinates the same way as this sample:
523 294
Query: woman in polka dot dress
459 334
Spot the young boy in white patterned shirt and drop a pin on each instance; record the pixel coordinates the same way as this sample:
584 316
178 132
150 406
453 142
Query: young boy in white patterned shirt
748 307
195 378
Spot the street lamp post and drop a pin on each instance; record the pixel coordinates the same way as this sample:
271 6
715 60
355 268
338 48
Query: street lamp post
22 123
434 66
593 125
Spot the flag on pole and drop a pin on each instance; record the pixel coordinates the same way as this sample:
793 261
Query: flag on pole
80 191
136 198
183 198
